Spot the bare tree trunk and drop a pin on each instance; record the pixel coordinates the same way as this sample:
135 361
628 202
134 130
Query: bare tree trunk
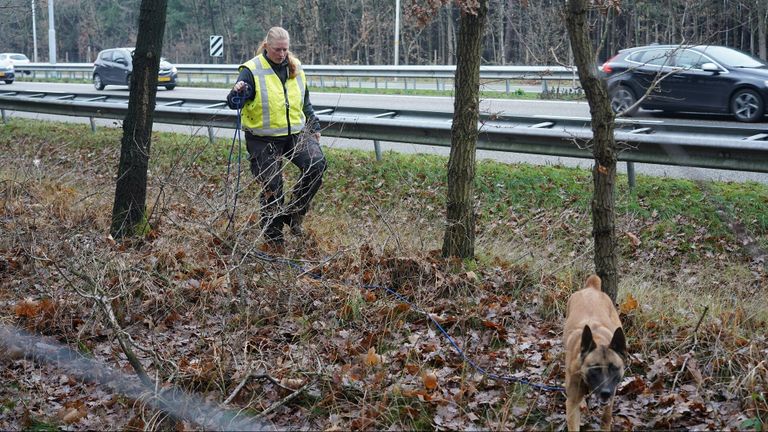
128 212
450 39
502 14
459 237
762 28
603 147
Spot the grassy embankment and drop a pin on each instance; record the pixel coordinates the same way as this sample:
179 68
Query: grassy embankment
207 308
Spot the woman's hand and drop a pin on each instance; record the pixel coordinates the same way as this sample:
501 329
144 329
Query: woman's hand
240 86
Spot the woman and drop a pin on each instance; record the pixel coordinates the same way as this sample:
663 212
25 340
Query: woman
278 121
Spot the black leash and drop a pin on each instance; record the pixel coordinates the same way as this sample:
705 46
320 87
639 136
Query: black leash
236 137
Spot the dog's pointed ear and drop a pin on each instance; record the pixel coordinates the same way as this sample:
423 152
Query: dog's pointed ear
619 343
587 342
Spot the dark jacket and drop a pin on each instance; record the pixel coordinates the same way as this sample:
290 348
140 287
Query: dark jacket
313 124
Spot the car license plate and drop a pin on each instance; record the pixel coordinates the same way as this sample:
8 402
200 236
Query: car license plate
164 79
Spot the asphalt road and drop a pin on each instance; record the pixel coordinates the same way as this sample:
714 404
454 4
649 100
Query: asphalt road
548 109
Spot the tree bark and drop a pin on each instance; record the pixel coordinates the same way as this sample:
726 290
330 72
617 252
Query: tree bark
762 28
459 240
603 147
128 212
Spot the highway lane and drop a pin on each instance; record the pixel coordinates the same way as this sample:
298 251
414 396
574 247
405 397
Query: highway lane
547 109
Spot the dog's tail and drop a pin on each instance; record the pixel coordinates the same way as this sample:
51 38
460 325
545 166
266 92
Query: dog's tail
594 282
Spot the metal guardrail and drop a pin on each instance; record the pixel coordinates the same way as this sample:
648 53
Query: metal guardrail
740 148
443 72
227 73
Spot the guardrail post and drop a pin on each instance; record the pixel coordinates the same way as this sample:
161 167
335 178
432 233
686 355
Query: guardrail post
322 82
544 88
506 82
211 138
93 124
4 118
377 149
375 82
631 175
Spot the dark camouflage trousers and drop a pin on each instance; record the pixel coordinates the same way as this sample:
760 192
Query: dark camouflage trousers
266 156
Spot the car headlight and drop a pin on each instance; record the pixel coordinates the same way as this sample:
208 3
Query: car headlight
173 69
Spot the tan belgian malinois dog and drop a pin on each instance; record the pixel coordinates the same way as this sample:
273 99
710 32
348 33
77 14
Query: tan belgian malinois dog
595 351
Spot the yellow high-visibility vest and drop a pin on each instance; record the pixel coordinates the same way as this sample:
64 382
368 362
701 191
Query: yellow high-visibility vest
269 113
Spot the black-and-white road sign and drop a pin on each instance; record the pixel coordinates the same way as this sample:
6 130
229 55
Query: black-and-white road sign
217 46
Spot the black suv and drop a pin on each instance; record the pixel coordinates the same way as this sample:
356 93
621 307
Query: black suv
114 67
700 78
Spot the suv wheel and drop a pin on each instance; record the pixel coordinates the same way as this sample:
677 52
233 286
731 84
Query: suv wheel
9 81
98 84
171 86
747 106
622 98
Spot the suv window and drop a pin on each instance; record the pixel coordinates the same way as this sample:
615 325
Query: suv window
688 59
106 55
653 57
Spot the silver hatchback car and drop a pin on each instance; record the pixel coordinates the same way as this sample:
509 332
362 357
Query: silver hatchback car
114 67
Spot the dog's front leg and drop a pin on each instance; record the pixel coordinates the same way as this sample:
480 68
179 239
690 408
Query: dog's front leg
607 418
573 412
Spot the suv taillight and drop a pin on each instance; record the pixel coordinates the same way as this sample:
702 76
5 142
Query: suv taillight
606 67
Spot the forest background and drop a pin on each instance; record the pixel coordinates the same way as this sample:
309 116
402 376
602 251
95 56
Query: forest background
519 32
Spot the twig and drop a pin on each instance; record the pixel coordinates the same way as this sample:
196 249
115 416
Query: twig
321 264
111 318
283 401
701 318
245 379
237 389
386 222
273 381
121 334
693 348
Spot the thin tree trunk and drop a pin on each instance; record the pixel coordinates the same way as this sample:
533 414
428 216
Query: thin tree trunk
502 43
128 212
449 33
459 240
762 28
603 147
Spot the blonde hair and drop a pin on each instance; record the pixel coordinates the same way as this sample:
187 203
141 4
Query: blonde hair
279 34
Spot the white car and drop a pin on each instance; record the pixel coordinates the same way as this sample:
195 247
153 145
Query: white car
14 58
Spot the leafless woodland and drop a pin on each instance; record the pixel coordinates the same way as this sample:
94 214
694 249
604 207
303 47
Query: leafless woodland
524 32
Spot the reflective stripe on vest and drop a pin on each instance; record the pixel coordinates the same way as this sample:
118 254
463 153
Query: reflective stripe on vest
266 115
